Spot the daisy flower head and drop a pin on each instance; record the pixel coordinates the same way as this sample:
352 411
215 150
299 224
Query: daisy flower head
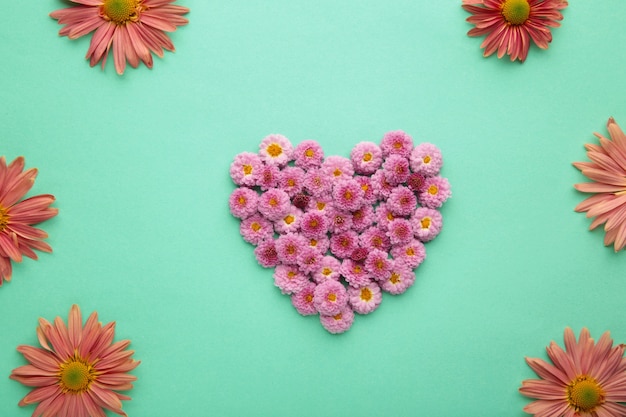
587 379
375 238
243 202
510 25
291 180
355 273
401 201
411 254
427 223
607 170
378 264
308 154
426 160
289 246
289 279
266 254
330 297
342 244
365 299
384 215
290 222
340 221
18 237
369 196
309 259
301 201
321 244
348 195
329 269
400 231
317 183
396 169
382 187
78 371
337 168
338 323
400 279
321 204
314 225
362 218
274 204
396 142
366 158
436 191
303 300
133 29
255 229
275 150
245 169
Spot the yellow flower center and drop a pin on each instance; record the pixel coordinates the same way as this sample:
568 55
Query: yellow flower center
395 278
357 269
255 226
291 275
425 222
320 206
365 187
390 216
4 218
331 297
367 157
337 172
309 298
274 150
433 189
327 271
516 12
366 294
347 195
584 394
291 182
397 145
289 219
247 169
121 11
313 242
273 202
76 375
409 251
309 153
337 317
426 159
313 223
242 200
291 249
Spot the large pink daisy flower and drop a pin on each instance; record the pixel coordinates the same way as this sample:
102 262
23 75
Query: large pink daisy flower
132 28
79 371
608 171
17 236
585 380
511 24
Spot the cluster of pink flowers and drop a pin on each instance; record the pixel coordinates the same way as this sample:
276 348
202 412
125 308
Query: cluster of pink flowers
339 231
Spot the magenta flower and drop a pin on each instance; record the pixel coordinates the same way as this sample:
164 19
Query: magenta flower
375 238
401 279
396 143
396 169
382 188
365 299
266 254
348 195
436 192
274 204
378 264
426 160
243 202
301 200
369 195
275 150
290 223
359 254
245 169
411 254
401 201
362 218
309 259
289 246
338 323
308 154
317 183
303 300
355 273
255 229
366 158
342 244
416 182
330 297
321 244
337 168
268 177
426 223
289 279
340 221
314 225
291 180
329 269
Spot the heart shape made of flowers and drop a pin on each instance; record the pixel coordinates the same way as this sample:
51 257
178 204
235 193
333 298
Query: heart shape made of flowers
339 231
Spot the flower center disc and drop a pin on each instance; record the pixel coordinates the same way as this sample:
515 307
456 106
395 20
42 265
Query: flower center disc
121 11
584 394
4 218
76 376
516 12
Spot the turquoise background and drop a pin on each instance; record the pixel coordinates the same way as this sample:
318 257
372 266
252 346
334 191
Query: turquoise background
139 166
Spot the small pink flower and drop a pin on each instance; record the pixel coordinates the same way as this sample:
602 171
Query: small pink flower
289 279
375 238
382 188
274 204
338 323
426 159
243 202
378 264
337 168
246 169
342 244
330 297
410 254
289 247
275 150
317 183
329 269
340 221
401 279
396 143
348 195
303 300
309 259
384 215
291 180
355 273
290 222
366 157
255 229
369 195
400 231
321 204
415 182
362 218
266 254
436 191
308 154
427 223
268 177
401 201
359 254
321 244
366 299
396 169
314 225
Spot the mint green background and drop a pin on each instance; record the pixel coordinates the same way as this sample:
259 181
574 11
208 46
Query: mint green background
139 166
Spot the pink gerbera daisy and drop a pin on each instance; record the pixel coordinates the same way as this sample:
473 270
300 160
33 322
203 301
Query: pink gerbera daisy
586 379
366 157
338 323
608 171
255 229
303 300
308 154
290 222
17 236
511 24
276 150
79 371
426 160
435 192
396 142
330 297
366 299
132 28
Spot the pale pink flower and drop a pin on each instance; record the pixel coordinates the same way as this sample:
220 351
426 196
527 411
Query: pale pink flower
401 201
79 371
308 154
321 244
291 180
321 204
289 246
587 379
303 300
435 192
255 229
243 202
309 259
510 25
275 150
337 168
133 29
355 273
317 183
290 222
378 264
18 237
366 157
266 254
400 279
384 215
426 160
338 323
289 279
246 168
396 142
427 223
411 254
607 170
369 195
365 299
348 195
396 169
342 244
329 269
274 204
330 297
400 231
362 218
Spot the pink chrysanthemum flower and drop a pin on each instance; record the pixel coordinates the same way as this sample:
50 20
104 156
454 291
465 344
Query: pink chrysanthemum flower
337 168
245 169
426 159
384 215
18 237
274 204
396 142
375 238
362 218
330 297
79 371
402 201
309 259
396 169
359 254
321 204
268 177
366 299
427 223
342 244
317 183
134 29
243 202
338 323
321 244
607 170
289 246
308 154
255 229
369 195
378 264
339 221
510 25
584 380
329 269
290 223
416 182
275 150
382 187
289 279
411 254
436 191
348 195
355 273
266 254
291 180
366 157
400 279
314 225
303 300
400 231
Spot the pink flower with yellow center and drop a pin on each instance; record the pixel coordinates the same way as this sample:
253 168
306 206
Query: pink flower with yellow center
362 218
329 269
426 160
309 259
266 254
245 169
338 323
400 231
396 142
308 154
255 229
337 168
402 201
291 180
348 195
355 273
289 246
411 254
435 192
274 204
314 225
243 202
133 29
427 223
275 150
303 300
289 279
342 244
365 299
79 371
366 157
375 237
339 220
290 222
268 177
320 244
378 264
330 297
396 169
401 278
317 183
